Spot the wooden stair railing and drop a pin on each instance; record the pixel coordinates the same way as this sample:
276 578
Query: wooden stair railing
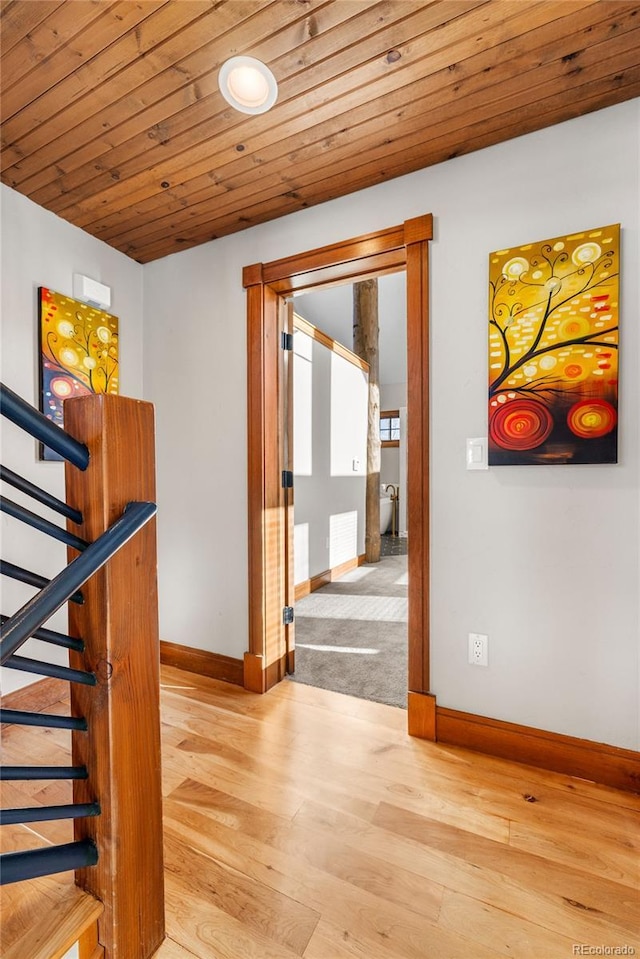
110 584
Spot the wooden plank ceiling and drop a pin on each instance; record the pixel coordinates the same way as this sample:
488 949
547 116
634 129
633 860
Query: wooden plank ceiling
112 116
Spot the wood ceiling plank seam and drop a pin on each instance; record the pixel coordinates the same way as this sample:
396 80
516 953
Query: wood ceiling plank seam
40 168
451 148
41 199
153 115
204 186
357 142
280 207
487 102
93 198
38 49
585 101
119 94
200 104
133 50
375 28
579 94
19 19
199 214
51 40
192 166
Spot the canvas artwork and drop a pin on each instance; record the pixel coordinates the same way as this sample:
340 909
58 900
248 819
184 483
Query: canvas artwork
78 354
553 350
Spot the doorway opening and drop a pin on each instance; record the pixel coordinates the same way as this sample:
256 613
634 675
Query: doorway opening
350 614
271 652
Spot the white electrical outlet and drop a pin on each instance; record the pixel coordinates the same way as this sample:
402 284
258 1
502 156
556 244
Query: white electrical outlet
478 649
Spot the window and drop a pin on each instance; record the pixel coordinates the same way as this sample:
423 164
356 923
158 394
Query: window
390 428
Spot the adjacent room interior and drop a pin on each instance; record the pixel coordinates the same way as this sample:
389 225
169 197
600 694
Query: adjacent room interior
350 614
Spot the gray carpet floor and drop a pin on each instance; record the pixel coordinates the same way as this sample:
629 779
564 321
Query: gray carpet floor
351 635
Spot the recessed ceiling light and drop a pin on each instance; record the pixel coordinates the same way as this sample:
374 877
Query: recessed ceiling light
248 85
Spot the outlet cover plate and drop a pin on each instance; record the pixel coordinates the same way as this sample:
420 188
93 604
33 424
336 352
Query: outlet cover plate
478 649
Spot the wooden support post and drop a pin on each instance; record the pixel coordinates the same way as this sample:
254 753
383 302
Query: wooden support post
365 345
119 624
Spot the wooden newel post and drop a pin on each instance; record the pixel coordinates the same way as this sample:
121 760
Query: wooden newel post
365 345
119 624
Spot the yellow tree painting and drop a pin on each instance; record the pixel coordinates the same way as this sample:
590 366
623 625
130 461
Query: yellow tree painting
553 350
78 354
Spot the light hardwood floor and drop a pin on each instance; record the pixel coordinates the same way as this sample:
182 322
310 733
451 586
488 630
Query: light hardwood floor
308 824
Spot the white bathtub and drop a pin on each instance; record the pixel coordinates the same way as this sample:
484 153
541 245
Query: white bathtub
386 512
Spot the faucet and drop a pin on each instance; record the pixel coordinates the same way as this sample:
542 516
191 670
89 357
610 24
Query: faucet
394 504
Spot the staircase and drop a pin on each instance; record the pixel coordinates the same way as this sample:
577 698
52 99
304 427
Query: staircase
46 917
102 885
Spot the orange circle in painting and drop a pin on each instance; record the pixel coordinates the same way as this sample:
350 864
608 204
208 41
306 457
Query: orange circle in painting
573 370
573 327
521 424
590 419
61 387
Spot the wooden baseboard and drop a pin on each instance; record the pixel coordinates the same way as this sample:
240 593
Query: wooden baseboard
260 679
310 585
328 576
421 709
598 762
36 697
254 676
202 662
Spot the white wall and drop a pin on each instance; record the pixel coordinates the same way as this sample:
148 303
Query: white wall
330 432
393 396
331 310
40 249
390 465
544 560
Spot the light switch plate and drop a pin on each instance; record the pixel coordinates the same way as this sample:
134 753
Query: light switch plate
477 453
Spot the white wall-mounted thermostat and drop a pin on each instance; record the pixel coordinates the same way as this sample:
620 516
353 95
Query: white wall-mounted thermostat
90 291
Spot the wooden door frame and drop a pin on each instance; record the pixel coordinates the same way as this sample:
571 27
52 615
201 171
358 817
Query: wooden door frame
404 247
